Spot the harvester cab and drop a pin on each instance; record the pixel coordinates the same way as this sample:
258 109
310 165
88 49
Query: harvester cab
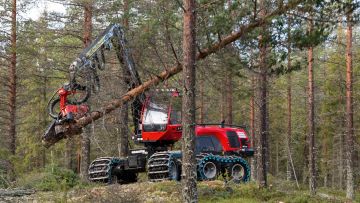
161 118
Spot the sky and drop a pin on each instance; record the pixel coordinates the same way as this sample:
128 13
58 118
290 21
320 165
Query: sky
41 5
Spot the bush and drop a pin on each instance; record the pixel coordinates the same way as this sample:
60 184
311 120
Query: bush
4 182
52 179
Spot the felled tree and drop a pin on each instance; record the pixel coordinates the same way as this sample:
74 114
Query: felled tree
71 129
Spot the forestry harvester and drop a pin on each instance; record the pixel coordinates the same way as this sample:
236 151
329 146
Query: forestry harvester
220 149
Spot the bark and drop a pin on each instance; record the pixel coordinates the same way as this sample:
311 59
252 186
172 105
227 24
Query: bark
85 153
202 94
341 160
126 14
289 124
229 82
252 127
305 171
68 153
124 110
124 131
263 114
87 23
85 137
223 101
229 97
73 129
311 119
189 188
289 174
12 83
43 119
349 137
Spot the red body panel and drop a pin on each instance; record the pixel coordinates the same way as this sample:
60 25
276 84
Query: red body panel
171 133
158 126
174 132
77 110
220 134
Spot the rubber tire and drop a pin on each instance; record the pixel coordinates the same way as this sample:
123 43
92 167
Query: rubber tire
216 172
245 166
177 168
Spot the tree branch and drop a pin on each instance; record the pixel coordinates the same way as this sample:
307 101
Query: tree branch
71 129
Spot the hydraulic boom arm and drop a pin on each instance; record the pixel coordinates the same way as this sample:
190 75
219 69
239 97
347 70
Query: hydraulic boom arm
93 58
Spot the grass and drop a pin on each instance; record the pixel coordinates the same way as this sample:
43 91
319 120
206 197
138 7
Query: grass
64 186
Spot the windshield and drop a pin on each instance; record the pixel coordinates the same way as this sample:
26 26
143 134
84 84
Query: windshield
155 114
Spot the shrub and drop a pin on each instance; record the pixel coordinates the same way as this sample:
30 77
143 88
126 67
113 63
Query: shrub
51 179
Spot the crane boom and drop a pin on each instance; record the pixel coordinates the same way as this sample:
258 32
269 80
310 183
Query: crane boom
93 58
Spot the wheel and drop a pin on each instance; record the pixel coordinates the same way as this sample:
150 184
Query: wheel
237 172
240 171
209 170
174 172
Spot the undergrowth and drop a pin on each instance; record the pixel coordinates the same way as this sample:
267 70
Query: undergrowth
52 178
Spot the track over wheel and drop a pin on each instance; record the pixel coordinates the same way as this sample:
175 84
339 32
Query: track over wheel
208 167
163 166
174 170
210 170
239 171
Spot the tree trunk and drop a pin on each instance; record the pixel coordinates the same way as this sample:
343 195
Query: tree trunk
305 171
189 188
87 23
263 119
223 100
349 113
68 153
289 124
85 137
124 110
126 14
12 83
311 119
202 94
229 97
85 153
124 131
252 128
76 128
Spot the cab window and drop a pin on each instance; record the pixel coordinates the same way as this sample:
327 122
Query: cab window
207 143
233 139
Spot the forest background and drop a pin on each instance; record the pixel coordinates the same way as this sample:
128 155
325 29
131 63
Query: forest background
261 80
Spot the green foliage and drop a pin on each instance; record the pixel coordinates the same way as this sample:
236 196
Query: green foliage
217 192
53 178
4 181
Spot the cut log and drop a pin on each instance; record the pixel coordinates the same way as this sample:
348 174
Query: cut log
75 128
15 192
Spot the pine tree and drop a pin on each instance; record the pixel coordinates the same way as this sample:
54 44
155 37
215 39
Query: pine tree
85 137
189 187
349 110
